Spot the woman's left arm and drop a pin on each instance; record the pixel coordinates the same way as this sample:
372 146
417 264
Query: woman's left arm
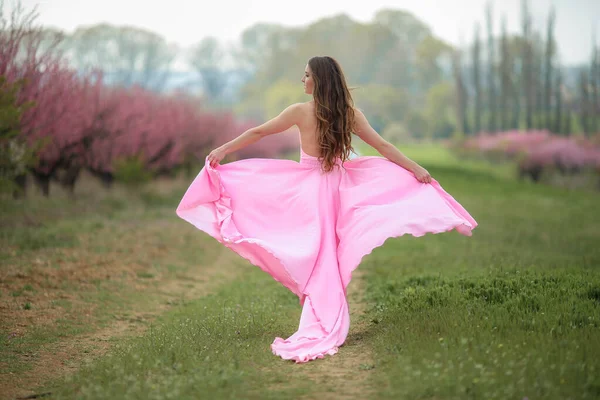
282 122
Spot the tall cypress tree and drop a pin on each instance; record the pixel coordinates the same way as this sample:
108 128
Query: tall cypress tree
538 82
558 128
527 65
584 101
567 129
461 93
594 87
505 79
477 80
516 86
492 125
549 56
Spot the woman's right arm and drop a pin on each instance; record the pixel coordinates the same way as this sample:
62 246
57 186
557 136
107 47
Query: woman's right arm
285 120
365 131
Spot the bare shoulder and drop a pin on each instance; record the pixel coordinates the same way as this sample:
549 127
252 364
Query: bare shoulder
358 113
360 119
297 109
302 112
306 107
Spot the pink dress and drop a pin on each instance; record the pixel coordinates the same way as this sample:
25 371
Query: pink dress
309 229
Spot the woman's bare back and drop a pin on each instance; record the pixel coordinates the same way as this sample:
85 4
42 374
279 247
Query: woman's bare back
307 124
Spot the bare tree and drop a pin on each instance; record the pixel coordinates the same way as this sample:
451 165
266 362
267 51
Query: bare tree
206 59
128 56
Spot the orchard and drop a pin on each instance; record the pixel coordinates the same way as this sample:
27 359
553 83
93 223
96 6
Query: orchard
57 121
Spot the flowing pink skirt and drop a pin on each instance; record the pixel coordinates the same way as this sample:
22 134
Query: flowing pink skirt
309 229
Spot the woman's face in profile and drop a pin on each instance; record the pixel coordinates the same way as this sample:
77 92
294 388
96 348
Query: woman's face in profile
307 79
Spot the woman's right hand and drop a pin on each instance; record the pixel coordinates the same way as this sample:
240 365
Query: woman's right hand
215 156
422 174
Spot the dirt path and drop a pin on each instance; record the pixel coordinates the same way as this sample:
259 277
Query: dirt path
346 374
342 376
68 355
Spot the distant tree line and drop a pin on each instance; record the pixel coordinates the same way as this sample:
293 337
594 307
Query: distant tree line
405 77
520 84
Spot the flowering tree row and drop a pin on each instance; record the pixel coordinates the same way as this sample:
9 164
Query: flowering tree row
537 150
84 124
74 121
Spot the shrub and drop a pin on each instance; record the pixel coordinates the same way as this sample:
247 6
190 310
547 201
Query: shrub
132 171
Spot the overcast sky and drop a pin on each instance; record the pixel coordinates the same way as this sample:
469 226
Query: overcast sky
186 22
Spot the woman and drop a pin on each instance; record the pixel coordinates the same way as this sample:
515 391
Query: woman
309 224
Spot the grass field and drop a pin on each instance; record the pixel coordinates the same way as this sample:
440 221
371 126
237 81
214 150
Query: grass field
512 312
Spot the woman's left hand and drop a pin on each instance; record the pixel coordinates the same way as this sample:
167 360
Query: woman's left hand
215 156
422 174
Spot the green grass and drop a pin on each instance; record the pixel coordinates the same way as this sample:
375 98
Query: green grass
512 312
434 155
215 347
97 231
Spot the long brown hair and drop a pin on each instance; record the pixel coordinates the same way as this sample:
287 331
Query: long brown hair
335 111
